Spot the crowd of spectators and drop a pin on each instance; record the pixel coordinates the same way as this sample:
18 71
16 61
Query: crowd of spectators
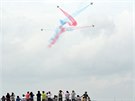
47 96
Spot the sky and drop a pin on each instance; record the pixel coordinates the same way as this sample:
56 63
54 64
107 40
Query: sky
98 60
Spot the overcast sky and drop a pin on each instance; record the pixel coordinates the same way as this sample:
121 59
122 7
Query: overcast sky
98 60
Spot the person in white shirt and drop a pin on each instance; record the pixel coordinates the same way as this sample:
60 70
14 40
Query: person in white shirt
73 95
78 98
67 96
23 98
49 96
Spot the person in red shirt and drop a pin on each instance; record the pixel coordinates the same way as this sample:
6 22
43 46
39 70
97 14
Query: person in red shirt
27 96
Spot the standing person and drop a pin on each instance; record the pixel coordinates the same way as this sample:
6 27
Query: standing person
67 96
55 98
38 96
78 98
8 97
43 96
85 96
3 98
49 96
73 95
31 96
18 98
60 96
27 96
12 97
23 98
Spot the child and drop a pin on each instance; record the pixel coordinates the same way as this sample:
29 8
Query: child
18 98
